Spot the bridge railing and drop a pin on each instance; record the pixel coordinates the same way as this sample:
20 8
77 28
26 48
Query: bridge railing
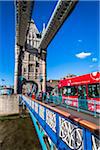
82 105
66 131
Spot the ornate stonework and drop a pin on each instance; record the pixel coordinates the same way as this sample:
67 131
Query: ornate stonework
32 61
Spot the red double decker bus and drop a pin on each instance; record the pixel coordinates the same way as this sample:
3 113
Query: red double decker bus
81 91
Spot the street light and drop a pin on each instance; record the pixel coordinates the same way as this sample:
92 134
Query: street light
41 80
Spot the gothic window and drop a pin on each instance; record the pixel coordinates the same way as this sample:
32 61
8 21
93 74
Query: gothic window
29 36
24 70
31 68
29 41
37 64
30 77
36 70
33 43
33 36
31 57
36 77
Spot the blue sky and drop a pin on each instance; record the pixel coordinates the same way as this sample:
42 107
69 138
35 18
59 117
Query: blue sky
7 36
74 49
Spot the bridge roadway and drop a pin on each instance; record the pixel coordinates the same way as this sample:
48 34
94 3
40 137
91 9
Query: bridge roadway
80 115
86 120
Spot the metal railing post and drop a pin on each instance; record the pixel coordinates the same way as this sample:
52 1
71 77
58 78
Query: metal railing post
95 109
60 99
78 109
47 99
51 98
66 103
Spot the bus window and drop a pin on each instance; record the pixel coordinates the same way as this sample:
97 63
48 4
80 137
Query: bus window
74 90
65 91
70 91
82 91
94 90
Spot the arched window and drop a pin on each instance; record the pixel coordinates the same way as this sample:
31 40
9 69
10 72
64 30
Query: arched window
24 69
31 57
31 68
29 35
33 35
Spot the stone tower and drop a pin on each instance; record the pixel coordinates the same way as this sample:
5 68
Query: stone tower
33 64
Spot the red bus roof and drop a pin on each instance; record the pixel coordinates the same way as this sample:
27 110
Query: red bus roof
84 79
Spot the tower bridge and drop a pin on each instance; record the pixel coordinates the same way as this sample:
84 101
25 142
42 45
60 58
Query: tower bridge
26 34
56 128
23 11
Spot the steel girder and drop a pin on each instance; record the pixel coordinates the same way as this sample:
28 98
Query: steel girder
23 17
60 14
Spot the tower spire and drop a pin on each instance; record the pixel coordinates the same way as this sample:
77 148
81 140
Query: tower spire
43 28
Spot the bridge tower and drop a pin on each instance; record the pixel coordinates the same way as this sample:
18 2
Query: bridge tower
33 60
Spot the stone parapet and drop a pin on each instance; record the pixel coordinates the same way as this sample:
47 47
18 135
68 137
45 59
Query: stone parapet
9 105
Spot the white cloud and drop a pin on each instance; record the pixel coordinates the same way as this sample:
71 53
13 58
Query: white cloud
94 59
79 40
91 66
82 55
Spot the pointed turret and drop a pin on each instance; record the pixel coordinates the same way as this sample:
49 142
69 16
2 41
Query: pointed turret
43 29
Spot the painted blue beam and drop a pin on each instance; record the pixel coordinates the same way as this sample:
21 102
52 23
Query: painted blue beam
40 134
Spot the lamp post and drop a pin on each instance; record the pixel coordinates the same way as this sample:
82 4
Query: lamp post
41 80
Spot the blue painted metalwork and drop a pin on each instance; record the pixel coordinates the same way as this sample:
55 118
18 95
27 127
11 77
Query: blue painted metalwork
88 144
64 133
40 134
